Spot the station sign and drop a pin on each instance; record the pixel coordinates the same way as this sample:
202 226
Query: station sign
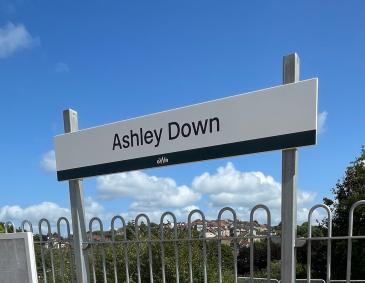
276 118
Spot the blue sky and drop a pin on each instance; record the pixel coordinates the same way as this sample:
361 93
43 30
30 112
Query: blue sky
117 60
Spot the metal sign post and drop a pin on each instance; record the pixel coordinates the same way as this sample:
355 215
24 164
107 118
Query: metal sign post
289 187
77 209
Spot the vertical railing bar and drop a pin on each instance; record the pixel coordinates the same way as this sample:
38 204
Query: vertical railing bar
349 246
92 246
219 250
113 243
113 250
103 251
126 254
51 254
204 245
309 248
148 245
268 250
252 241
72 260
69 244
68 229
29 224
176 251
349 241
8 223
42 251
150 261
62 262
71 249
138 249
60 251
102 238
189 251
205 256
329 246
235 248
234 243
163 248
309 240
92 261
268 245
49 242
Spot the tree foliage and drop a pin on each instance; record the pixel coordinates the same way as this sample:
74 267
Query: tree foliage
346 192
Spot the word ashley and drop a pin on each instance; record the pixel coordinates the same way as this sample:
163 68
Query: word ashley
174 131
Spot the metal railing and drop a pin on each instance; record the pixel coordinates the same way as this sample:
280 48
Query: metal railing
172 251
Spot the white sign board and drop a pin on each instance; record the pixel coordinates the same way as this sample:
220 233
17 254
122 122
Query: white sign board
17 260
276 118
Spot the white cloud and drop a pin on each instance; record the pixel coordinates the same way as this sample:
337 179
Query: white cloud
305 197
48 161
322 118
228 186
14 37
34 213
61 68
243 190
147 192
94 209
153 195
50 211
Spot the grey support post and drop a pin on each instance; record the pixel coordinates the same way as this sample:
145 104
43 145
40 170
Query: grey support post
77 209
289 187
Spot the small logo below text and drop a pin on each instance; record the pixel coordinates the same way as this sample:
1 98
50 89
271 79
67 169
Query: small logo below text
162 160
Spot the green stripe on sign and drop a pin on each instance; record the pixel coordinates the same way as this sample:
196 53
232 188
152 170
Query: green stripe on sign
199 154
